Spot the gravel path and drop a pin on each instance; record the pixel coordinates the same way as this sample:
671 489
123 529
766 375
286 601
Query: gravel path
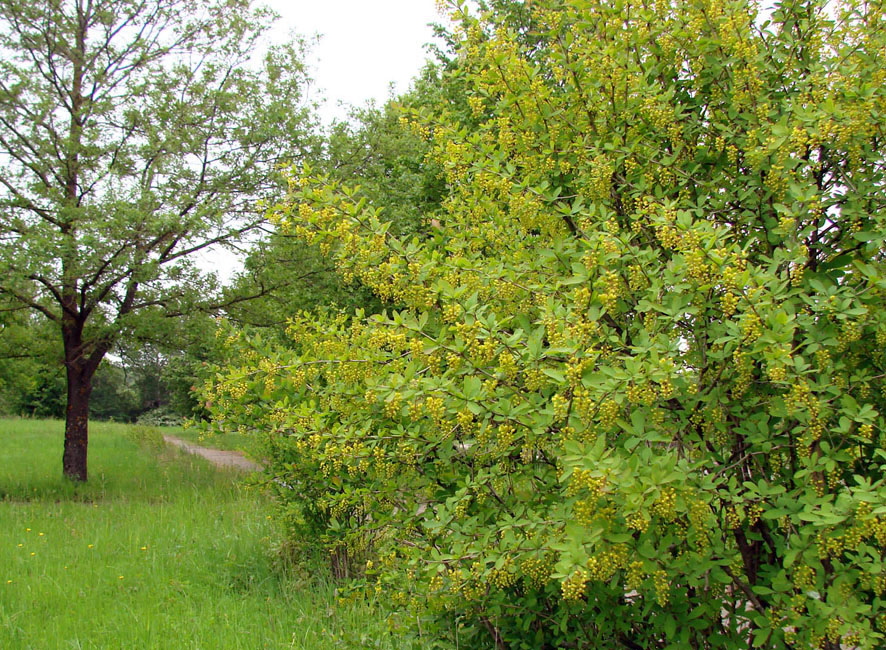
218 457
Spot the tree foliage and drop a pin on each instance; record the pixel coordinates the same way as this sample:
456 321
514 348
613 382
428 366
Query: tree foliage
375 150
133 135
634 397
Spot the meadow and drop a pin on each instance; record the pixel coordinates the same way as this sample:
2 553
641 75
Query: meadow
157 550
228 440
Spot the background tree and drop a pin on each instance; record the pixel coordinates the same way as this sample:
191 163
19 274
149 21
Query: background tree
379 152
133 135
634 396
31 381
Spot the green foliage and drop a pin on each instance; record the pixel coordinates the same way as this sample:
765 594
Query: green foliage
167 357
162 416
634 397
30 382
288 276
171 153
377 150
40 391
113 397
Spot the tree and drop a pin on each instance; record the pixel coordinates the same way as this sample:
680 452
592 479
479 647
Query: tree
377 151
134 134
635 396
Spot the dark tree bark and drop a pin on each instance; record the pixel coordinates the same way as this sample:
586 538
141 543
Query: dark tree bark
80 370
76 425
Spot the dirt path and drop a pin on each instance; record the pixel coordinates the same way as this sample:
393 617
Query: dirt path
218 457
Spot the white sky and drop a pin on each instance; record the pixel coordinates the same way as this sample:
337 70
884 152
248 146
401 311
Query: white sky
364 46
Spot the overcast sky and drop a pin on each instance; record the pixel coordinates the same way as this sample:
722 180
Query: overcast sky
364 45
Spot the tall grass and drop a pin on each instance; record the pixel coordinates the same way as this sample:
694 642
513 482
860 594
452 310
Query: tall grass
231 440
157 550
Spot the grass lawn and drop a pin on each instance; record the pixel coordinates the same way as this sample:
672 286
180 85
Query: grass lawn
158 550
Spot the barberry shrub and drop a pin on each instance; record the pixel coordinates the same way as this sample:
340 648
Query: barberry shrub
632 393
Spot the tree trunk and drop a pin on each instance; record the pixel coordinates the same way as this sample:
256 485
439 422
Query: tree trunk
77 423
81 362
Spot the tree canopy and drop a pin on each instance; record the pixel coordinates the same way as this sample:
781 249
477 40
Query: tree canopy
375 150
133 135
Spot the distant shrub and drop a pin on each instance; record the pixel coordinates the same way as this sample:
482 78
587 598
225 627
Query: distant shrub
162 416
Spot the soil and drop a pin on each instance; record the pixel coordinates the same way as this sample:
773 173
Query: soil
218 457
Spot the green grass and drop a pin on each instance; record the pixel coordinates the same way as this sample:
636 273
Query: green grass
157 550
232 441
